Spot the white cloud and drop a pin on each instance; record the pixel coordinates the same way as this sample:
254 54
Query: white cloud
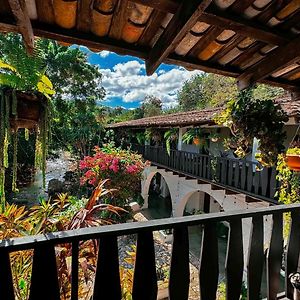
104 53
127 81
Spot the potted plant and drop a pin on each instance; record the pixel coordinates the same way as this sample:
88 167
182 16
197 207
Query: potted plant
249 118
293 158
153 134
170 136
214 137
193 135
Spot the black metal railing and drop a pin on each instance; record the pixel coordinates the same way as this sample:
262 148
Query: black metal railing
44 280
238 174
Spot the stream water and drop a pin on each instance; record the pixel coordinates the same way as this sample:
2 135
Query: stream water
56 169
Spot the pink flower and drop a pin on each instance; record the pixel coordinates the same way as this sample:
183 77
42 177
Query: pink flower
93 181
114 168
131 169
90 174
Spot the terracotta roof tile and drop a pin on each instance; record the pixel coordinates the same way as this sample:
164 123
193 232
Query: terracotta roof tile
198 117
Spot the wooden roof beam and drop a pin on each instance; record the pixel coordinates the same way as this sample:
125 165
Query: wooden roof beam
278 59
214 16
182 22
243 27
19 10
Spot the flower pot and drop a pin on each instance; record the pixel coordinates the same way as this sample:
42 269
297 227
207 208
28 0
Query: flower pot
293 162
215 139
196 141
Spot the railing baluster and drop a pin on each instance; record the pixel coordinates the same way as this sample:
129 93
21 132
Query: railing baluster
274 257
249 183
107 280
209 263
255 258
75 262
293 251
257 182
44 274
180 270
6 281
145 278
204 167
243 175
234 261
264 181
230 172
237 174
273 182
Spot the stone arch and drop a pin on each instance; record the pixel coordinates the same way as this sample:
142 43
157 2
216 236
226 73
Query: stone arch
180 206
146 186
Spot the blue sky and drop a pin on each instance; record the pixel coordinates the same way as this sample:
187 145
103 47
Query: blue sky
126 82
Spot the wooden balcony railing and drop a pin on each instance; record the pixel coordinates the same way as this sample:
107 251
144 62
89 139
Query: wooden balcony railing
44 279
237 174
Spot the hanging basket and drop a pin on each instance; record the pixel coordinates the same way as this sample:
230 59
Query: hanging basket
29 109
293 162
196 141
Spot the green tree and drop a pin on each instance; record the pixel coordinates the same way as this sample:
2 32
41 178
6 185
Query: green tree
152 106
211 90
191 95
77 116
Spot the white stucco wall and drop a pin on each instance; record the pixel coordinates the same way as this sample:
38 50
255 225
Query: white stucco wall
188 192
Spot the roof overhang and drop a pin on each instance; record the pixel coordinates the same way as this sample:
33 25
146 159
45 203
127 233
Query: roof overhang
252 40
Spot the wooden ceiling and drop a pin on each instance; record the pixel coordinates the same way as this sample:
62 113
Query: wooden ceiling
252 40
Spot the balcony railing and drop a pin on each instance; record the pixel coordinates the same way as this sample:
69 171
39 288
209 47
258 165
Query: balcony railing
238 174
44 280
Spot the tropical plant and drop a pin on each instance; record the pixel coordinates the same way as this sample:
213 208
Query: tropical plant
153 134
293 151
60 214
170 136
21 71
195 135
250 118
124 168
140 137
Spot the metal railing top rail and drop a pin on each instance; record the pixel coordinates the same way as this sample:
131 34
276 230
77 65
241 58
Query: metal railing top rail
204 155
31 242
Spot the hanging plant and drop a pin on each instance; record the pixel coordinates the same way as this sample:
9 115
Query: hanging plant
293 158
214 137
22 110
249 118
170 136
153 135
195 136
140 137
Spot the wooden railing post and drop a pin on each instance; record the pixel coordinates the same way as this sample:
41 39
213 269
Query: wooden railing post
6 280
234 265
145 278
255 258
274 257
293 252
180 270
209 263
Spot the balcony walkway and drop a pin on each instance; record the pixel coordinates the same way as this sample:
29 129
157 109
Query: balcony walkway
233 175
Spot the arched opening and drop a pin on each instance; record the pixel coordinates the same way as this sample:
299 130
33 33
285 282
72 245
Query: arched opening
159 200
200 202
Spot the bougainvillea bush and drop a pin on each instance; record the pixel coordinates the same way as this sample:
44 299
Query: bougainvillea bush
123 168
